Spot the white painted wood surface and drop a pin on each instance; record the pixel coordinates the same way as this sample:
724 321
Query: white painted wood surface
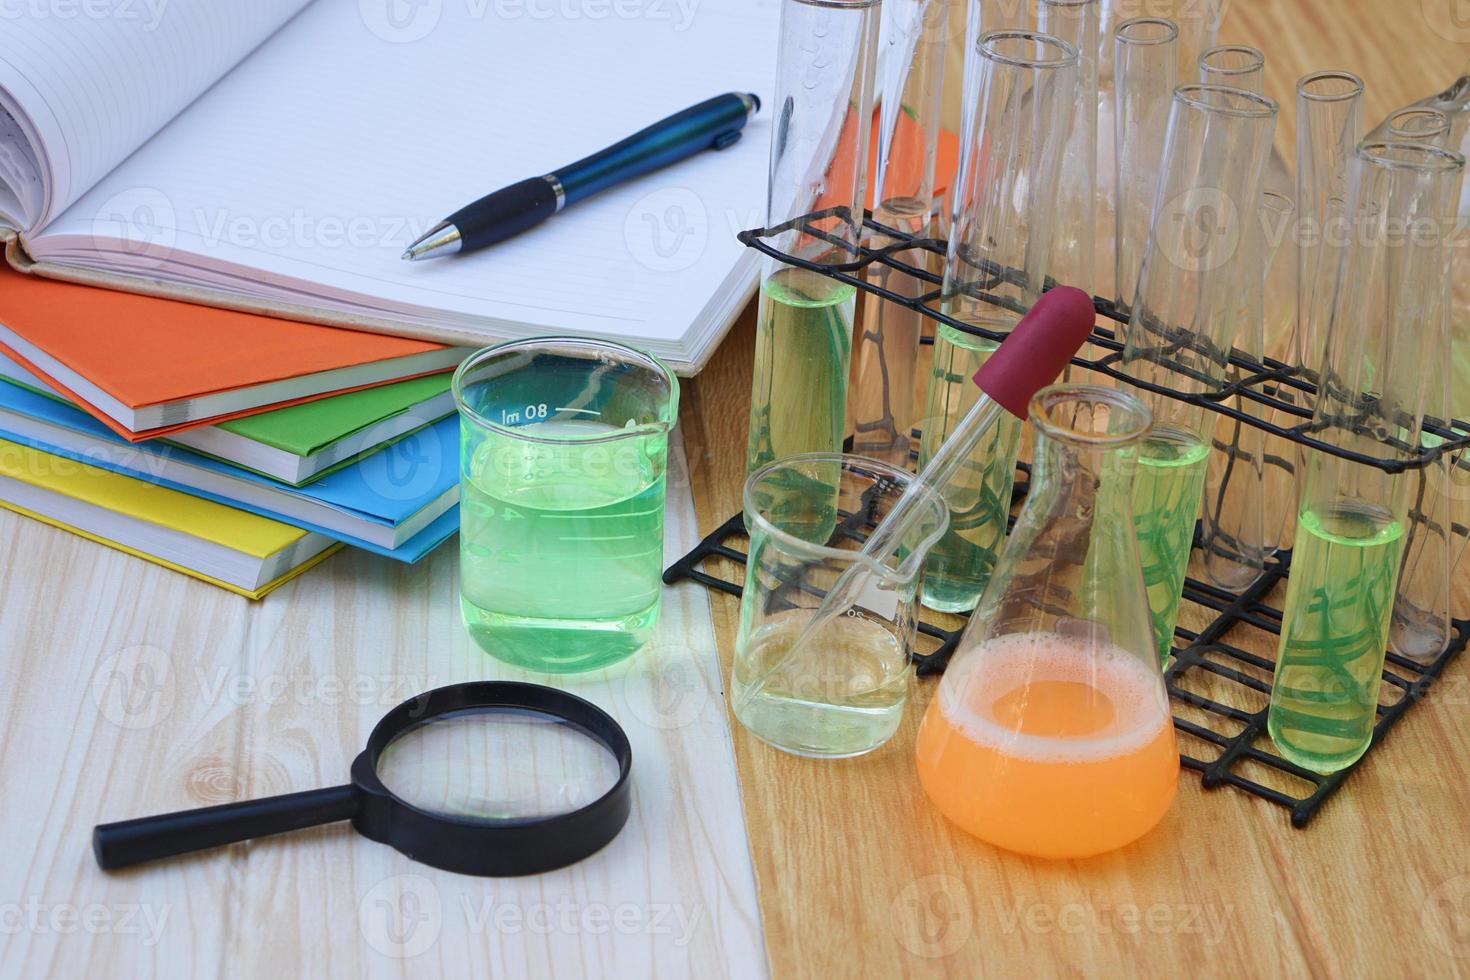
129 690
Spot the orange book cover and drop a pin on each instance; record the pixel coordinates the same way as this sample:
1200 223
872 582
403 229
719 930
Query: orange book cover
143 350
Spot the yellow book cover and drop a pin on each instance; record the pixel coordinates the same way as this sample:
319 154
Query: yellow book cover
238 530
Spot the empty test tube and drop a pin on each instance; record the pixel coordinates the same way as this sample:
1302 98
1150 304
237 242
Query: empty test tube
1074 243
882 401
1421 626
1145 70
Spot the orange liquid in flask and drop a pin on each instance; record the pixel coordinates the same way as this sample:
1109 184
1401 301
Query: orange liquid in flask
1051 746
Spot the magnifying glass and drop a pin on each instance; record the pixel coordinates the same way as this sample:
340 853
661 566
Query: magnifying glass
493 778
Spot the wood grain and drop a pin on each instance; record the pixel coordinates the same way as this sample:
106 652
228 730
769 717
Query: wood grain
130 690
858 875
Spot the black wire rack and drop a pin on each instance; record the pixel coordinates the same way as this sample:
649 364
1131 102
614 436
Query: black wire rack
1220 689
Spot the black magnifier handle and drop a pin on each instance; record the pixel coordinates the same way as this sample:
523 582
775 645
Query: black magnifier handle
118 845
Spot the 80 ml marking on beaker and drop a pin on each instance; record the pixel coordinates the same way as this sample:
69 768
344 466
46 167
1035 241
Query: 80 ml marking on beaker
531 413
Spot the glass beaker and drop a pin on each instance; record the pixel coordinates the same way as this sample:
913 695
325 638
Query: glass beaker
996 267
563 453
1051 734
843 693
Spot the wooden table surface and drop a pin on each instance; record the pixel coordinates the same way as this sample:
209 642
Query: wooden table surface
858 875
128 689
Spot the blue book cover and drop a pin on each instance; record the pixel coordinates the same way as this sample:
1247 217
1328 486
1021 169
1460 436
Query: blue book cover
399 502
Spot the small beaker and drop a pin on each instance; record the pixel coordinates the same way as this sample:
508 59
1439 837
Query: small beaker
563 453
841 693
1050 734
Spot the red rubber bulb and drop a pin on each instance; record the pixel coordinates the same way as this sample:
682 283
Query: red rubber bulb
1038 349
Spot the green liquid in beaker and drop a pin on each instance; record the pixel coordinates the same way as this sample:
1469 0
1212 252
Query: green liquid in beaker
1166 501
1339 598
958 567
803 344
561 546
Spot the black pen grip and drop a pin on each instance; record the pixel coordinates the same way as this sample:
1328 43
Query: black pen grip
505 213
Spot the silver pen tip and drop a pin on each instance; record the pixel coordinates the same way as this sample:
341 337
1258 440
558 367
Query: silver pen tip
442 239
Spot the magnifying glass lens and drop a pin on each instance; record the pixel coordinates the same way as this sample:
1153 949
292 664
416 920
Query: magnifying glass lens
497 763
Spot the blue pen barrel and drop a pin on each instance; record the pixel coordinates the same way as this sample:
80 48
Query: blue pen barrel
711 125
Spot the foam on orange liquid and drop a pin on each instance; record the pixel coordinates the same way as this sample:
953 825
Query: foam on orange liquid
1047 745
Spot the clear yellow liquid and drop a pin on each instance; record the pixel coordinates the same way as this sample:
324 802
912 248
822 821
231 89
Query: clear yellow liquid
842 695
803 346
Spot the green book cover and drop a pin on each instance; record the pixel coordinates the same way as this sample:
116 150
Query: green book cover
306 428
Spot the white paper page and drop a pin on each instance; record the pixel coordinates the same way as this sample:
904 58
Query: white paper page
91 80
316 162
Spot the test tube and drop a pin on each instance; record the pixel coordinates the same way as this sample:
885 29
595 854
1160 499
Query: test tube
1329 111
1145 70
1197 25
1236 65
1074 243
1421 626
1187 314
1419 124
994 271
1387 320
826 63
1239 526
1233 520
882 402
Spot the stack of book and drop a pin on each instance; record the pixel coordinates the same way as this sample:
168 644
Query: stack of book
237 448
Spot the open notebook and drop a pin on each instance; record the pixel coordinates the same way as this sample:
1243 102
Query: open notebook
278 155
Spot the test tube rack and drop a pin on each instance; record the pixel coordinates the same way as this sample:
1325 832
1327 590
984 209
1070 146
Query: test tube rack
1219 688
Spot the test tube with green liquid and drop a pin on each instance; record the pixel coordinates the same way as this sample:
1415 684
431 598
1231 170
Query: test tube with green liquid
1387 322
826 65
999 247
1186 315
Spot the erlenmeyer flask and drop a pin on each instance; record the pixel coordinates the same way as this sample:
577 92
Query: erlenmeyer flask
1051 733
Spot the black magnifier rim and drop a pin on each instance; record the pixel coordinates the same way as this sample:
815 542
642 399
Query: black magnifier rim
492 847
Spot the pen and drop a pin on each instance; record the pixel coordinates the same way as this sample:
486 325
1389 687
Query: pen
711 125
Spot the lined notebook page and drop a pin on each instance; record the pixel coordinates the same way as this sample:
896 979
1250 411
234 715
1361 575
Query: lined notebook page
307 171
93 81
